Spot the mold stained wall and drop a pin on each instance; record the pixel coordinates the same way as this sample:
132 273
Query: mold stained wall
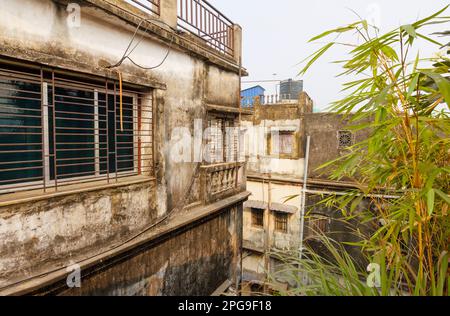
278 194
38 31
256 144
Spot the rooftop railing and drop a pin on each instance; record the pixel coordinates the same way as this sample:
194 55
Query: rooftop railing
204 20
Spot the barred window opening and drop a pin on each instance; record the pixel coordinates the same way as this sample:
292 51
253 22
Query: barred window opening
223 140
57 129
257 217
281 222
319 225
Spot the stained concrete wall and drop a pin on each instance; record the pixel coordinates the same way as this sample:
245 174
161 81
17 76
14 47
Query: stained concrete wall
261 126
37 235
341 229
323 129
53 231
275 193
186 264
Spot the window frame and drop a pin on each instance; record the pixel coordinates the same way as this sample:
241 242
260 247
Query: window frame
81 83
257 215
221 149
271 142
314 229
284 223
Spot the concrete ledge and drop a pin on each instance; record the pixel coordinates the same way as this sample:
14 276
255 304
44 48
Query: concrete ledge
153 235
134 16
10 199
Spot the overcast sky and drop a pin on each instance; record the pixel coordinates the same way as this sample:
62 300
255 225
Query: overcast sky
276 34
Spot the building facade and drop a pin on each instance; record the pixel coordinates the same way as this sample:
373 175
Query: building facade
281 194
99 174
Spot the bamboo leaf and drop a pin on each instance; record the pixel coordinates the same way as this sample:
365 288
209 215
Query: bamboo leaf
443 196
408 28
442 83
429 39
413 85
316 56
337 30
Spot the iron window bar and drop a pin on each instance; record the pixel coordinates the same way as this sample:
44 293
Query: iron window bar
57 130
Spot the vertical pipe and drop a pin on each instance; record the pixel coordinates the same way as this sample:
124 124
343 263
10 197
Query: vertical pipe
303 199
267 231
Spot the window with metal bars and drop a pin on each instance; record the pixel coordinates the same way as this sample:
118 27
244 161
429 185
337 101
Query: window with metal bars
281 222
318 225
223 139
57 129
257 217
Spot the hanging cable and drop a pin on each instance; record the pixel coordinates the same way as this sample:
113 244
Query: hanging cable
128 52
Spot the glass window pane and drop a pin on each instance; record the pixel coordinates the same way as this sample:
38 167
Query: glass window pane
20 131
75 132
125 135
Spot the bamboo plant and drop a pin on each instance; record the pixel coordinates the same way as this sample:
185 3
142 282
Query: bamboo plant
403 99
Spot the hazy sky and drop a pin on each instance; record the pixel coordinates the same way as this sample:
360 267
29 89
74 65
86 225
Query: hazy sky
276 33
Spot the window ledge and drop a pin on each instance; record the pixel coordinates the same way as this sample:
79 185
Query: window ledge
10 199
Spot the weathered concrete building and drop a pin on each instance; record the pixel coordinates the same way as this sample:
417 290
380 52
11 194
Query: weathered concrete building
90 168
280 194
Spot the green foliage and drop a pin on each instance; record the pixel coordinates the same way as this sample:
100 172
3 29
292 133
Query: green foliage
404 103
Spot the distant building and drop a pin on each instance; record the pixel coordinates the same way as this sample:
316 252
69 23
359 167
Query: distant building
248 96
276 164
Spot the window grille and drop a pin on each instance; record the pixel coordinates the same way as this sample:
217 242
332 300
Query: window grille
281 222
345 139
257 217
223 140
57 129
319 224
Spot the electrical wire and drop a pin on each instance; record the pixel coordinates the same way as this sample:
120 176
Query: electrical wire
128 52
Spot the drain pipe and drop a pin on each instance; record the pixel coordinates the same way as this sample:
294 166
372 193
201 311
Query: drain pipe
303 196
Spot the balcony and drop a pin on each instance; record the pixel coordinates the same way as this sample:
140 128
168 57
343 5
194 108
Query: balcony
198 18
220 181
203 20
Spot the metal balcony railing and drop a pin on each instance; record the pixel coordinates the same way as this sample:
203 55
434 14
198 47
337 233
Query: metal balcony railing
202 19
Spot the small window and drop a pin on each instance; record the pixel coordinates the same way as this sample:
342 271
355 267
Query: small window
319 224
282 143
257 217
281 222
222 141
345 139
